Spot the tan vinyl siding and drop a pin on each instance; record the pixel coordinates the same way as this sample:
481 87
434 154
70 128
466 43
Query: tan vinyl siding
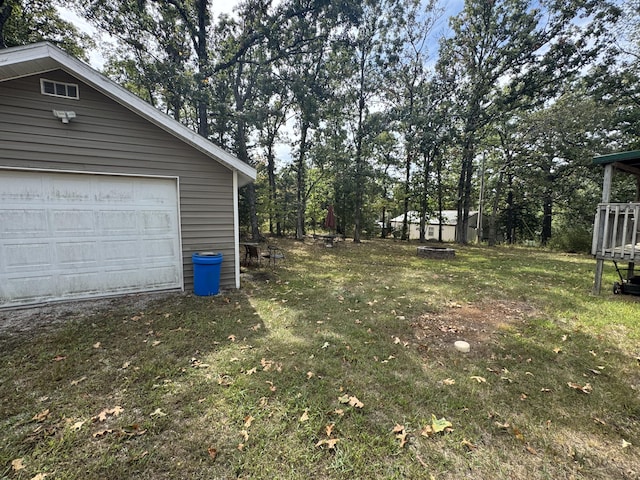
107 137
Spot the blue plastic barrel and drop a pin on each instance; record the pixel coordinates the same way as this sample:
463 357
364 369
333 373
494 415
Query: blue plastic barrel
206 273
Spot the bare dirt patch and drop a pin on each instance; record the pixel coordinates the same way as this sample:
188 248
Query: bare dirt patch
21 321
479 324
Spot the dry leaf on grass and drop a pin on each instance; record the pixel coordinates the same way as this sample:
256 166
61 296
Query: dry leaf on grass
248 420
40 476
305 416
42 416
102 416
449 381
466 443
351 400
329 442
59 358
401 434
329 429
586 388
213 452
77 426
17 464
102 433
478 379
79 380
158 413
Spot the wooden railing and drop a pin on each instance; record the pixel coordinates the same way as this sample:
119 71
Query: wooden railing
616 231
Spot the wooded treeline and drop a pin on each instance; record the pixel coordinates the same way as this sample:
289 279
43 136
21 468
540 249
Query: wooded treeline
379 107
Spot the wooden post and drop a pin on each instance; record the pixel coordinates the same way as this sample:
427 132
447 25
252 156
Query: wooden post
606 196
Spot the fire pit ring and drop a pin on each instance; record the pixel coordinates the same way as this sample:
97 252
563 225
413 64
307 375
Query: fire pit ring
436 252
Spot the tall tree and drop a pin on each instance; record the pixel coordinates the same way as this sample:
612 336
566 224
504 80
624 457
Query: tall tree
529 47
30 21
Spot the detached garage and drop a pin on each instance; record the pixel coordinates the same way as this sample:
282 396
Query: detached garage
100 193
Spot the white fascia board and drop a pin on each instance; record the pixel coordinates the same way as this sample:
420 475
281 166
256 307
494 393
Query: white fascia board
37 56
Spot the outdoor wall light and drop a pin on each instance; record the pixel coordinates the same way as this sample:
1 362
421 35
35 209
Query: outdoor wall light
63 115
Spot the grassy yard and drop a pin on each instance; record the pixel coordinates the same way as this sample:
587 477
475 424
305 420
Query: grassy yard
338 364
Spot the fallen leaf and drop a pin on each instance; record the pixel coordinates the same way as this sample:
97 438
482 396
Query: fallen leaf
245 435
248 420
354 402
213 452
76 382
440 425
125 365
325 345
625 444
305 416
339 412
587 388
309 375
478 379
102 433
518 434
329 429
17 464
504 426
427 431
449 381
272 387
330 443
158 413
155 343
102 416
96 345
39 417
252 371
40 476
78 425
133 430
403 438
557 350
232 338
59 358
531 450
344 398
466 443
523 396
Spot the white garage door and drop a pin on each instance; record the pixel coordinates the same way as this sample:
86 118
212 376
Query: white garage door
74 235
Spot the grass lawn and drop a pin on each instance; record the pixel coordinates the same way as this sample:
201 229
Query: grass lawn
338 364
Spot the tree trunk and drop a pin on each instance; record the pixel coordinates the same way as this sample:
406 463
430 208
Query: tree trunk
301 177
464 191
547 217
203 66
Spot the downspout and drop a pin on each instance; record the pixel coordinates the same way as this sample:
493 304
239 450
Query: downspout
236 229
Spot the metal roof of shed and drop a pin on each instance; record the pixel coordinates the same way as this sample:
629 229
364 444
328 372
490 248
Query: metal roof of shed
626 161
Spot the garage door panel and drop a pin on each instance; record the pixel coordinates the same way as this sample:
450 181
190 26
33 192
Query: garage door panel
76 222
73 235
118 222
21 222
76 254
27 257
117 251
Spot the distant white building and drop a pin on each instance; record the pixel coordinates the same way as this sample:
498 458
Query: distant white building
449 222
